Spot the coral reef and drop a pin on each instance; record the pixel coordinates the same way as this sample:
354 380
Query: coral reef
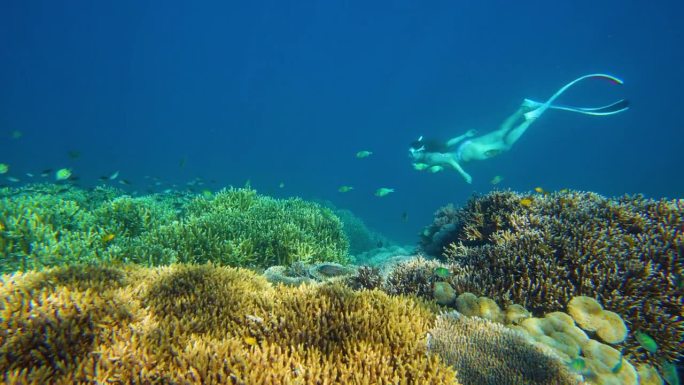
485 352
361 238
598 363
207 325
540 251
414 276
300 272
48 225
238 227
366 278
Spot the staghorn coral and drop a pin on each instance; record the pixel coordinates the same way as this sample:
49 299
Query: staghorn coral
366 278
48 225
207 325
485 352
625 252
471 226
415 276
238 227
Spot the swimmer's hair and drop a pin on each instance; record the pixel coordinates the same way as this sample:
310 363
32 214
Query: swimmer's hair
430 145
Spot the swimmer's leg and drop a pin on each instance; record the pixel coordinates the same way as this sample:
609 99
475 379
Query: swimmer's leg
515 134
508 123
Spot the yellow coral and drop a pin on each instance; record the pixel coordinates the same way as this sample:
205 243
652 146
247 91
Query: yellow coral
470 305
488 309
612 328
589 314
207 325
648 375
586 311
516 313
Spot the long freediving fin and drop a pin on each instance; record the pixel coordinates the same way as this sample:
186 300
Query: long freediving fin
610 109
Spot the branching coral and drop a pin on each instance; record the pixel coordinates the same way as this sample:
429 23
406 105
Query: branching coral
207 325
42 226
240 228
625 252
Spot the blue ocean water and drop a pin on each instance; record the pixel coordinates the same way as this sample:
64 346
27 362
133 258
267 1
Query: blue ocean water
287 92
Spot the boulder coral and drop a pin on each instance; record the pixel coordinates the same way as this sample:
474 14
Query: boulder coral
207 325
488 353
626 252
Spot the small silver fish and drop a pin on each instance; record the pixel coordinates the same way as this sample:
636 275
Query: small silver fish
381 192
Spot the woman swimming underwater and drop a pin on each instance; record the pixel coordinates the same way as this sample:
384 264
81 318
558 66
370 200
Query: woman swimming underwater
435 155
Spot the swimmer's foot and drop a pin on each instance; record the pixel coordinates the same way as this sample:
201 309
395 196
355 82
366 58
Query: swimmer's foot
534 114
529 105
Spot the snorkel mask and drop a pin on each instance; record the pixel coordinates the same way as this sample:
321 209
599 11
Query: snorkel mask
417 148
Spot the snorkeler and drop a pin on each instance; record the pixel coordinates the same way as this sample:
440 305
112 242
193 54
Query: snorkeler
436 155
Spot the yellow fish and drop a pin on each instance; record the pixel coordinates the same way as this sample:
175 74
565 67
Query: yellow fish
364 154
4 168
420 166
436 168
344 189
108 238
496 180
539 190
281 184
63 174
526 202
251 341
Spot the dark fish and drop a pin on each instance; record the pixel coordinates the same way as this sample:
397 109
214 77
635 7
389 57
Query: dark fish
404 216
74 154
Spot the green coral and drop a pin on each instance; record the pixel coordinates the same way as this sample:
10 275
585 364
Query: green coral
49 225
40 228
240 228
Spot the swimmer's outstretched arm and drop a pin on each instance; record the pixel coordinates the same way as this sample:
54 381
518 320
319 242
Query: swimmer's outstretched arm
453 141
457 167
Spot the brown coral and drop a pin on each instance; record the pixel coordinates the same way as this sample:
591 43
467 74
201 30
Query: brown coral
207 325
625 252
